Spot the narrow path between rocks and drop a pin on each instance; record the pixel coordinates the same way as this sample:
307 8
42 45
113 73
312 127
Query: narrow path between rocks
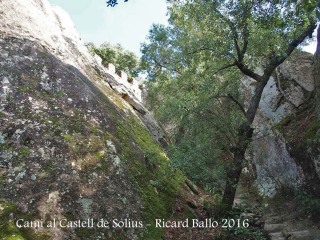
283 222
289 226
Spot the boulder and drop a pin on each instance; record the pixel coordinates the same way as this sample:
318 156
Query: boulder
76 161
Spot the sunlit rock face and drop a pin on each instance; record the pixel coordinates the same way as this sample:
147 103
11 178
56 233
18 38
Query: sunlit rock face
70 146
287 89
48 25
52 27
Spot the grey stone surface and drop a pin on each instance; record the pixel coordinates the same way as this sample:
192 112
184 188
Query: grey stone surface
277 236
274 227
286 90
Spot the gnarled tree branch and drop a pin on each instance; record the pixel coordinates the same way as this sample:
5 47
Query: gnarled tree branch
277 60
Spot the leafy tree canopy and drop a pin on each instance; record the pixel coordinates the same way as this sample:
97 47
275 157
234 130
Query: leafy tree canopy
122 59
191 90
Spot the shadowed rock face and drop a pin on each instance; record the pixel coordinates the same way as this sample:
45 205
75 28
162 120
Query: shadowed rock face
58 140
71 148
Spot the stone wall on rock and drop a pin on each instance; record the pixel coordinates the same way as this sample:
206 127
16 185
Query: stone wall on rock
134 85
132 92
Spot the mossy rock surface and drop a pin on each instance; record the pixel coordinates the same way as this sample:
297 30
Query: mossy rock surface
71 149
302 134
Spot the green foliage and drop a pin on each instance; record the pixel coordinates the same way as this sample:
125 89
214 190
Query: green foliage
190 93
246 225
194 68
23 153
249 233
308 203
201 150
122 59
303 203
7 227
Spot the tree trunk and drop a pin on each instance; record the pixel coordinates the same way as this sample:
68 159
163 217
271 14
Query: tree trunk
317 75
233 176
235 168
245 131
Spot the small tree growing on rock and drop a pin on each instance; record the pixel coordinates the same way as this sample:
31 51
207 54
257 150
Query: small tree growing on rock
122 59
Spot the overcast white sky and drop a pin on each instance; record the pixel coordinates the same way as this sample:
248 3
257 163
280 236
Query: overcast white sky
127 23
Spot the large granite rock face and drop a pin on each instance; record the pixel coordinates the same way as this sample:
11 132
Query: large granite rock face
71 148
48 25
52 27
288 88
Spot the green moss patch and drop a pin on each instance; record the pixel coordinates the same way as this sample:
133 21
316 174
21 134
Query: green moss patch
156 181
8 228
